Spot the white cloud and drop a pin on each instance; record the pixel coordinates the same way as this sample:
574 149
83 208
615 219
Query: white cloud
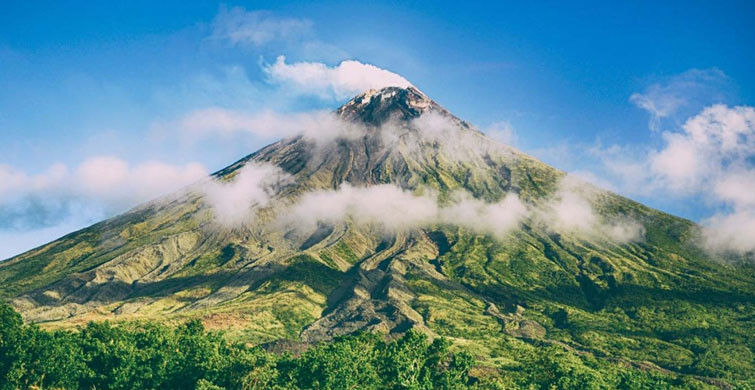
63 197
737 188
385 205
114 181
316 126
321 127
618 168
571 211
347 79
723 141
733 231
711 156
394 209
502 132
234 202
714 144
679 163
657 103
446 133
497 218
15 183
268 33
106 179
692 89
238 26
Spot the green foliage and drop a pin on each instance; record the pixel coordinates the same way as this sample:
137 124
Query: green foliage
30 357
552 368
654 302
149 356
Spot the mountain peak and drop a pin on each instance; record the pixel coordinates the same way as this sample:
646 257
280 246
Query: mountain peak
375 106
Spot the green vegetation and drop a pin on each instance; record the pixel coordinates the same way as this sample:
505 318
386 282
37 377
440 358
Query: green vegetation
676 314
149 356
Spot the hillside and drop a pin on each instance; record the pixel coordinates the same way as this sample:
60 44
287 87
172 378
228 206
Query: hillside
406 217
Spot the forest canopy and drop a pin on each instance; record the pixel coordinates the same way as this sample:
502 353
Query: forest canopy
151 356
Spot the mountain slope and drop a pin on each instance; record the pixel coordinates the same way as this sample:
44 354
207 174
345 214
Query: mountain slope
652 299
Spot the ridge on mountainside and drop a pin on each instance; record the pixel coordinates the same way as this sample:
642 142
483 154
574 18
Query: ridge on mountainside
654 298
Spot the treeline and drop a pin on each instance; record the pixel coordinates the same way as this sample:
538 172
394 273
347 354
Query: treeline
150 356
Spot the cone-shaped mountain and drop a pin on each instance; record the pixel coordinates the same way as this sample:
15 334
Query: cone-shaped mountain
277 274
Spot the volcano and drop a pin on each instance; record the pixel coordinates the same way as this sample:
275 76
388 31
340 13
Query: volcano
400 216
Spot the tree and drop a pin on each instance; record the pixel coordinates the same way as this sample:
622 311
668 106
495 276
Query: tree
12 353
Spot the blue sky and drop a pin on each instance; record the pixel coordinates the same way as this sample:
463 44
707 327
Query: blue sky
600 89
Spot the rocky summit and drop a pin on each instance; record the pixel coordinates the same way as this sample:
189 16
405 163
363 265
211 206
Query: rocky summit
392 214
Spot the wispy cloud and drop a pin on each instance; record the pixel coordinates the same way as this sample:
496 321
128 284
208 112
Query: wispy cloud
394 209
454 141
719 145
705 154
237 26
39 207
270 33
318 127
717 141
385 205
502 132
109 183
322 127
712 156
234 202
571 210
344 80
692 89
